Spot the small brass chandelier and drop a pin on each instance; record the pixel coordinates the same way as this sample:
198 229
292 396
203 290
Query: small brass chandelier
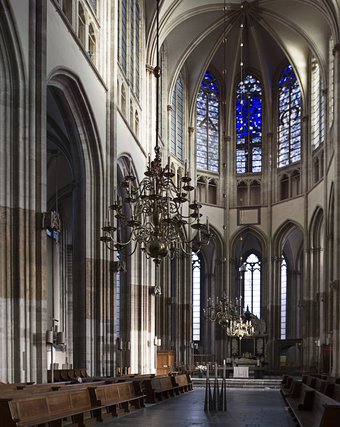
156 212
229 315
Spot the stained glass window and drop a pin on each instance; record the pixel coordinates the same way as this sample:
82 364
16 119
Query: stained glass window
331 62
317 108
137 28
252 285
129 42
283 298
196 297
132 43
123 37
118 303
177 120
289 129
207 125
249 125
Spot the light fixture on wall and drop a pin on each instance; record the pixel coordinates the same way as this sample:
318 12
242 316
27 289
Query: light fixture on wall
157 212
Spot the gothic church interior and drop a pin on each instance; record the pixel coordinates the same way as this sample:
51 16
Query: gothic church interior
247 104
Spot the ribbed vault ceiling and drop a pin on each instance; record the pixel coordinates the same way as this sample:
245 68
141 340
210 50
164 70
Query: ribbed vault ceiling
274 31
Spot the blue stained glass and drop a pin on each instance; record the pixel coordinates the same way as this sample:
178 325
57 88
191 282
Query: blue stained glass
248 124
289 122
207 125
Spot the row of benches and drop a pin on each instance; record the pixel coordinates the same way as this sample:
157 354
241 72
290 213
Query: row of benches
66 374
309 402
82 404
159 388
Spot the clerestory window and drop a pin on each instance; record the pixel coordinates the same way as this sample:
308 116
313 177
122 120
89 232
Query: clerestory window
249 125
207 125
289 120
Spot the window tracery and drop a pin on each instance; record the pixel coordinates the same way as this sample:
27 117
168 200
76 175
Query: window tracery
289 126
252 285
283 292
207 125
196 297
249 125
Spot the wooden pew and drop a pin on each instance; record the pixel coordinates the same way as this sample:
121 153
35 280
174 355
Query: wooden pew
314 409
66 374
11 389
24 410
287 386
336 392
110 399
159 388
181 383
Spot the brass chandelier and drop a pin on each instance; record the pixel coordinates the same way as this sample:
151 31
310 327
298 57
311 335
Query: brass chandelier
156 213
229 315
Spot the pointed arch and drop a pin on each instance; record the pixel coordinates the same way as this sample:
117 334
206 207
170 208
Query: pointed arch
72 131
248 248
17 150
288 250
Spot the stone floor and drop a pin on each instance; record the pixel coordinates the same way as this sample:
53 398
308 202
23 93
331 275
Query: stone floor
246 408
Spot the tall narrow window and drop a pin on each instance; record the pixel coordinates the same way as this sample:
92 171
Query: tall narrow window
283 298
160 97
67 9
248 125
132 42
81 24
207 125
92 43
317 108
177 120
289 129
331 62
118 304
196 298
129 42
252 285
123 35
137 29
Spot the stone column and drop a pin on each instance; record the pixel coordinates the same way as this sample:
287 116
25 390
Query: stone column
336 135
30 259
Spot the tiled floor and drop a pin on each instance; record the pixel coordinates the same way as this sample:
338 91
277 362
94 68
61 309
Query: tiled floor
246 408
